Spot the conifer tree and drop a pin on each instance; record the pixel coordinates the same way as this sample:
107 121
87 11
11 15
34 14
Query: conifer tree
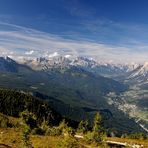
98 132
83 127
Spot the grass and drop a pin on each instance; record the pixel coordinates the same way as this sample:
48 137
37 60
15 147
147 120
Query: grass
130 141
12 137
45 141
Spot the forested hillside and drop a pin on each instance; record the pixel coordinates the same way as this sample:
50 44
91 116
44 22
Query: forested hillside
47 108
12 103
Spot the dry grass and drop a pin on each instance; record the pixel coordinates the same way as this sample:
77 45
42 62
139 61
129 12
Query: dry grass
45 141
13 138
130 141
12 120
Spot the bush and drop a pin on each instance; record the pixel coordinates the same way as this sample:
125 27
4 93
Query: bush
26 136
68 142
83 127
38 131
4 122
98 137
88 137
54 131
44 125
29 119
93 138
98 134
140 136
63 125
69 131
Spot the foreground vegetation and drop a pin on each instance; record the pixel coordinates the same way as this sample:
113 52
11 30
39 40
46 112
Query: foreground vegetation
21 134
12 137
26 121
25 133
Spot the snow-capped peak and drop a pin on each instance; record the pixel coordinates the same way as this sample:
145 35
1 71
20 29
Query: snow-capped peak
53 55
56 60
140 73
67 56
145 66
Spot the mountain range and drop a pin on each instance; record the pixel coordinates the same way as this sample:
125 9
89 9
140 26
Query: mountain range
89 64
79 84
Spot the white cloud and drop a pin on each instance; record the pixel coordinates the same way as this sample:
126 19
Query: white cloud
16 40
67 56
53 55
29 52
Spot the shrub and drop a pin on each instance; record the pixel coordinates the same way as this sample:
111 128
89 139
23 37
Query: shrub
38 131
63 125
29 119
98 134
68 142
4 122
26 136
88 137
83 127
54 131
28 124
69 132
44 125
140 136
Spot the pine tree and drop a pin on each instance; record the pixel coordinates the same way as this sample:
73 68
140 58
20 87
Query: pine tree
97 123
26 128
98 133
83 127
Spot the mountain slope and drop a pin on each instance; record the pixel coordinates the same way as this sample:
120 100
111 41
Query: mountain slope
82 93
72 78
12 103
139 76
19 101
8 65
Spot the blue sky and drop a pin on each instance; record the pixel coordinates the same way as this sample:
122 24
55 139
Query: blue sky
107 30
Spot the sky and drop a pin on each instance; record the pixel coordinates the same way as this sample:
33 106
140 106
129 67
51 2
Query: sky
106 30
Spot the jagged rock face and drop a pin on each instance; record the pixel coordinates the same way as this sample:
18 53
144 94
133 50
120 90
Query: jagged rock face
104 69
139 75
44 63
134 72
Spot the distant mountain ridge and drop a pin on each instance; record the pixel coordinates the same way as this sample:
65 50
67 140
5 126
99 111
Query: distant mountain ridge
89 64
132 73
68 61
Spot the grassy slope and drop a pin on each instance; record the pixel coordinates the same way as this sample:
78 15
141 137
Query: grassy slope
12 137
130 141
